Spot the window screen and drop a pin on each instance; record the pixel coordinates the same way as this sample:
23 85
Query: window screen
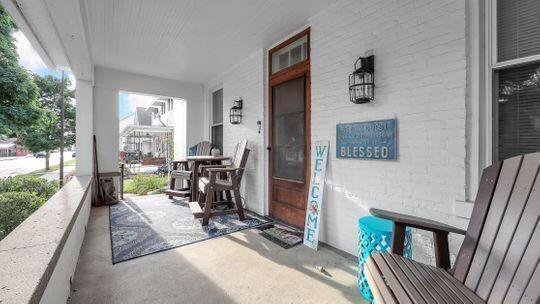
217 107
517 107
217 119
518 28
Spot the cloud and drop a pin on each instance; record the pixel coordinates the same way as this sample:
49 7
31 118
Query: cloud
73 81
130 101
138 100
28 57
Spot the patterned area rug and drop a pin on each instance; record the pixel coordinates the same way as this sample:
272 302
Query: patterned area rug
150 224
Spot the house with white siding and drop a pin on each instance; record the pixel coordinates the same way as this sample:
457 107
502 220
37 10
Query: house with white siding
456 82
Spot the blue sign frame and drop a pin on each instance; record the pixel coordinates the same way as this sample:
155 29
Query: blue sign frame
367 140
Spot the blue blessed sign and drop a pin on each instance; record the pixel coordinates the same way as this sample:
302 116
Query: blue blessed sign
367 140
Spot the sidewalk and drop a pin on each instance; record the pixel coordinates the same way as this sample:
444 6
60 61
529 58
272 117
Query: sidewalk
53 176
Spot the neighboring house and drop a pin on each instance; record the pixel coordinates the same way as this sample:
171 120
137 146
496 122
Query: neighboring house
148 128
164 111
124 122
9 147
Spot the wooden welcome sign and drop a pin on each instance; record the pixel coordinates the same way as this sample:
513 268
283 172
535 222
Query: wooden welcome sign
319 158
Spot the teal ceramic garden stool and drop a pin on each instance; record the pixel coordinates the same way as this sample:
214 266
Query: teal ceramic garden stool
375 234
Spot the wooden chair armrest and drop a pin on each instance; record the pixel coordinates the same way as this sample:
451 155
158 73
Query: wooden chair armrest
415 222
207 167
223 170
223 174
440 233
180 164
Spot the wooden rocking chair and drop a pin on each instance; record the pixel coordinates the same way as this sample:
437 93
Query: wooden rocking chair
221 179
182 171
499 259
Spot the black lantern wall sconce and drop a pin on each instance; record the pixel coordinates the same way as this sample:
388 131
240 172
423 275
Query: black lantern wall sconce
362 80
235 114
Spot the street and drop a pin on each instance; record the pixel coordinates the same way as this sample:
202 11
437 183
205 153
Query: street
25 164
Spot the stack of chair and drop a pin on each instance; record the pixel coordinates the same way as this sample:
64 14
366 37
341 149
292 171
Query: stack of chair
219 181
182 173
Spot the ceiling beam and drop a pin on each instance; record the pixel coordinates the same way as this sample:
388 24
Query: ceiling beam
12 7
68 18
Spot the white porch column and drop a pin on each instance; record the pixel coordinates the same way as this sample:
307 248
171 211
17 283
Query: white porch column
106 127
84 127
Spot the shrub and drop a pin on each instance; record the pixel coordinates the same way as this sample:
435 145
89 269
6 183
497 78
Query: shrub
15 207
20 196
29 184
141 184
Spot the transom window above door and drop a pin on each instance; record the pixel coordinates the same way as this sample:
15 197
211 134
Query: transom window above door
294 53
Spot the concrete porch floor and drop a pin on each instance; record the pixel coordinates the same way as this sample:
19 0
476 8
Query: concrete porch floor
243 267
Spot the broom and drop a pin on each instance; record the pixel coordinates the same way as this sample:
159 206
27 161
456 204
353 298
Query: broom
99 195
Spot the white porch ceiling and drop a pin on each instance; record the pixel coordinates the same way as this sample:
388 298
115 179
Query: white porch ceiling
190 40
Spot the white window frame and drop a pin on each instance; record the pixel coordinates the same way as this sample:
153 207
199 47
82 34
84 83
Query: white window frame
492 66
211 113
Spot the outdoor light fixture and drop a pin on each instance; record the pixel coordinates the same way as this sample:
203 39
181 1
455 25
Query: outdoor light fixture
235 114
362 81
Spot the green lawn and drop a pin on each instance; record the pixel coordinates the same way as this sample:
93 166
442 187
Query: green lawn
142 184
40 172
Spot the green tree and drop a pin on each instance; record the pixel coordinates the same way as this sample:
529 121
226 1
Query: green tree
44 134
18 93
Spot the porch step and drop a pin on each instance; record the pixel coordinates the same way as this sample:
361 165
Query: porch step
179 193
196 209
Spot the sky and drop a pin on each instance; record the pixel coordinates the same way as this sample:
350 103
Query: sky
129 101
29 59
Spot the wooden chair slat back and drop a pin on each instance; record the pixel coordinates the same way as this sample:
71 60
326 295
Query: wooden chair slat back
521 261
480 209
239 159
243 162
203 148
528 275
238 154
505 183
510 221
501 234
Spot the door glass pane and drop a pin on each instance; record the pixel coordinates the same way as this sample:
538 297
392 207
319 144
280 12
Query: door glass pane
517 111
288 125
217 107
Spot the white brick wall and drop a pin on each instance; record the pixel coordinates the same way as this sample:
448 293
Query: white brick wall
246 80
420 77
420 74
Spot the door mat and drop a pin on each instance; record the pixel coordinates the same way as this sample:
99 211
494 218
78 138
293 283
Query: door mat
283 236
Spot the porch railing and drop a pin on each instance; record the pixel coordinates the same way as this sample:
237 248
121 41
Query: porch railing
39 257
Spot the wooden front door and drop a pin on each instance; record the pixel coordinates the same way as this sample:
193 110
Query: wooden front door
289 122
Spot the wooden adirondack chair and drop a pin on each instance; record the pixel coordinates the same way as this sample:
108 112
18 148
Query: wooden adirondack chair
181 170
499 259
222 179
